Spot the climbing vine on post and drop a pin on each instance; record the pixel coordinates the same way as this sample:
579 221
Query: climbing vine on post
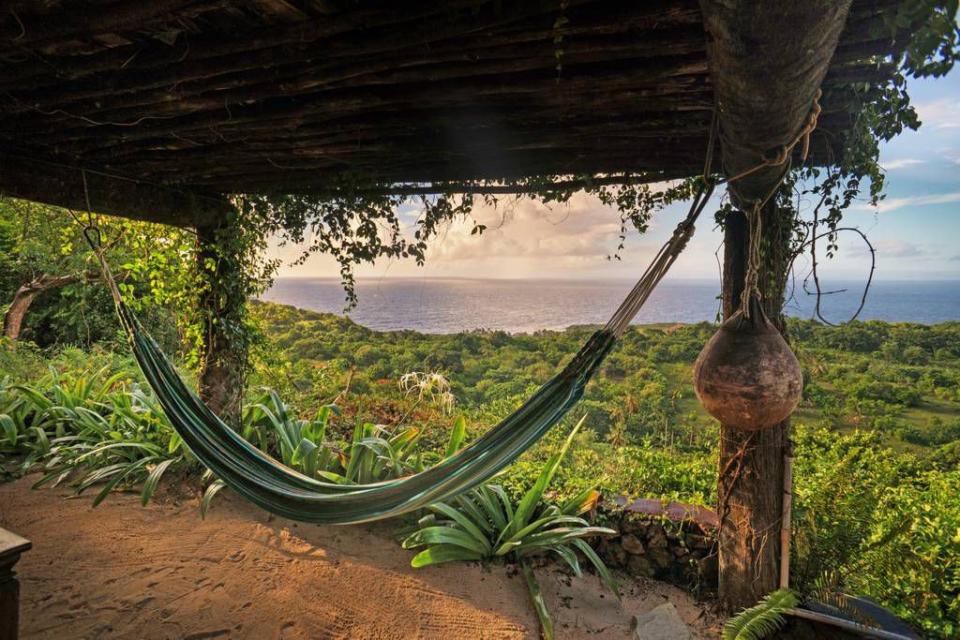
230 272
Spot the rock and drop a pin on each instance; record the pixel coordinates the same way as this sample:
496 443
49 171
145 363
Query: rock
635 525
617 554
640 566
658 539
632 545
697 541
662 623
661 557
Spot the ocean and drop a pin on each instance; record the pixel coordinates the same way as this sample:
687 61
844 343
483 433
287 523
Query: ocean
432 305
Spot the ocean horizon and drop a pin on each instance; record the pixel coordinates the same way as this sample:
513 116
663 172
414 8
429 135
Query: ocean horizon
451 305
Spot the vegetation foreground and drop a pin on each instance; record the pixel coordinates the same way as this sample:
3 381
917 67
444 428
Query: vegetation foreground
877 437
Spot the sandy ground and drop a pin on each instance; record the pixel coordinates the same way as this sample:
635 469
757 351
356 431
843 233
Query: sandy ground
125 571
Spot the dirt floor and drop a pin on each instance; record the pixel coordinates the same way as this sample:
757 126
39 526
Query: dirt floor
126 571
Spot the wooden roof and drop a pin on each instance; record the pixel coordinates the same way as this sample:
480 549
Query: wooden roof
217 97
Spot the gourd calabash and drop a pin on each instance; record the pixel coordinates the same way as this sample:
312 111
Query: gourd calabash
747 376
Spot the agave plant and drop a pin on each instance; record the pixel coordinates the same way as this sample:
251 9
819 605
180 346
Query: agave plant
299 443
87 432
374 452
485 524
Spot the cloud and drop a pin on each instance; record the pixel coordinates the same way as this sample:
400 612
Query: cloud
940 114
900 163
953 155
892 204
899 249
888 249
581 228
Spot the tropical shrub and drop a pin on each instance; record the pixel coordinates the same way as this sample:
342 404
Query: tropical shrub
89 429
486 524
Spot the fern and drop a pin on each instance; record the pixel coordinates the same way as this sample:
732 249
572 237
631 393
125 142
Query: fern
761 620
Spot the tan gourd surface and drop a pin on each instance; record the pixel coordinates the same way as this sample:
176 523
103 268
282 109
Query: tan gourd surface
747 376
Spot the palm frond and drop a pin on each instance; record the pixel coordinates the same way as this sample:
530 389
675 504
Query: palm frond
761 620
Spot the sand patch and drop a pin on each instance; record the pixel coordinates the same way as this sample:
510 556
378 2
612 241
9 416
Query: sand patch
126 571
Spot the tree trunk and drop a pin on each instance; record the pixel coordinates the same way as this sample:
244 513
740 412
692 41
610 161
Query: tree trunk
750 482
223 359
23 298
767 61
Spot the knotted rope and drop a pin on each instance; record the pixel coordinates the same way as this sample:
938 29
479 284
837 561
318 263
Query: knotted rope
782 153
670 251
782 157
751 281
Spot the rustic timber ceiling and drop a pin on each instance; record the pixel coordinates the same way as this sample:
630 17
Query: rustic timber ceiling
218 97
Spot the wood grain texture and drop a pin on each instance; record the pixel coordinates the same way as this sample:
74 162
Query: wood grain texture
216 97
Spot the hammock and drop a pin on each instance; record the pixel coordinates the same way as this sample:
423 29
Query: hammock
288 493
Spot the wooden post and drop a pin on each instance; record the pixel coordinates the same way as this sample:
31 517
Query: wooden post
786 517
11 546
750 482
223 359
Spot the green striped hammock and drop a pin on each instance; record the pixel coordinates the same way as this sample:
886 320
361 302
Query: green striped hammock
288 493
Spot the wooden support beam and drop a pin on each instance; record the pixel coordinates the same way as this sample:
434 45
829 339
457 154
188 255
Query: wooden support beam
63 186
11 548
767 60
750 486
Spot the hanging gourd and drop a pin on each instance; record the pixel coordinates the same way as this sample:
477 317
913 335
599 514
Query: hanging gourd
747 376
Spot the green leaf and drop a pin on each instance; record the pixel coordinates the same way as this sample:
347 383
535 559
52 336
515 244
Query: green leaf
457 435
465 522
442 553
599 565
581 503
477 515
10 431
150 484
212 489
535 494
445 536
491 505
761 620
525 534
536 597
118 478
570 557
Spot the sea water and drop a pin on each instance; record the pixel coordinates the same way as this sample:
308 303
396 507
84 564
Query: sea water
433 305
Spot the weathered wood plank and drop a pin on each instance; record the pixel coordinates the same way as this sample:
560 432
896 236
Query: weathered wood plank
63 186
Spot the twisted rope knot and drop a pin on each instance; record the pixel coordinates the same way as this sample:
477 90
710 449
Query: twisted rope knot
682 235
779 156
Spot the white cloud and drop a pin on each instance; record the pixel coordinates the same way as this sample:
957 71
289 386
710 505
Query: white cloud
892 204
940 114
888 249
900 163
953 155
581 228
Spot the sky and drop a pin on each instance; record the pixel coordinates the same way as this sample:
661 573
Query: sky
915 230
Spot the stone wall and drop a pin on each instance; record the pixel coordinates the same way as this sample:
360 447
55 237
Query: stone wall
673 542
